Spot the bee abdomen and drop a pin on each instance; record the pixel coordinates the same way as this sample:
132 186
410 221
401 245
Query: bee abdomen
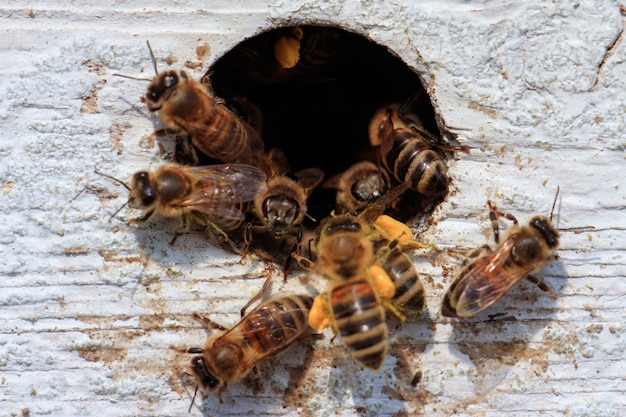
227 137
277 322
409 289
420 166
360 320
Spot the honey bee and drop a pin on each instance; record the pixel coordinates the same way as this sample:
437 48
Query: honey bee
523 251
280 208
357 187
281 205
360 290
229 355
188 105
213 195
408 151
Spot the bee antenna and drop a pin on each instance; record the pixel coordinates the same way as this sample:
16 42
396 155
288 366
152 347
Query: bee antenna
558 188
193 400
308 216
131 77
153 59
113 178
118 210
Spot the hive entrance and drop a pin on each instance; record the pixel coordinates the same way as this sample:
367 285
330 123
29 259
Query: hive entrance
317 111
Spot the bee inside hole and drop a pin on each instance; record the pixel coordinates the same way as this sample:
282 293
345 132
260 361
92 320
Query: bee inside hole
312 91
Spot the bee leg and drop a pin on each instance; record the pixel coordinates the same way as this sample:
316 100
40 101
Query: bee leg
192 350
208 323
247 241
220 236
303 261
294 249
542 285
220 393
288 261
184 151
256 375
494 212
158 133
140 220
266 285
182 228
395 310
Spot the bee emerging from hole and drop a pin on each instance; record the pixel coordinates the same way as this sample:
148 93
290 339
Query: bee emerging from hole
357 187
523 251
281 206
407 150
230 355
213 195
188 105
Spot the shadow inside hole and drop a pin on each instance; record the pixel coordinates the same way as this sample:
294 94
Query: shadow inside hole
319 110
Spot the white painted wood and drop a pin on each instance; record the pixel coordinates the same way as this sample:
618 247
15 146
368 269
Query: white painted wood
89 307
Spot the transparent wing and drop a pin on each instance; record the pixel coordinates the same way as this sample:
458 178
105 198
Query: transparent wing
486 280
220 189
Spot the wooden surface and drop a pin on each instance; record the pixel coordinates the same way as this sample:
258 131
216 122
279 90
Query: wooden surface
89 307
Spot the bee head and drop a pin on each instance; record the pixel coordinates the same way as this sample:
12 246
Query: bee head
142 195
369 188
161 88
205 378
343 245
546 230
280 213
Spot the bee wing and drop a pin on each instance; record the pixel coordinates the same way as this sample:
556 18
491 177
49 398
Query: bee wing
224 184
309 178
378 207
474 292
255 328
277 163
254 144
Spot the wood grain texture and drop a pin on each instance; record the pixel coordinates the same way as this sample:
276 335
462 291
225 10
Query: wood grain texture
89 306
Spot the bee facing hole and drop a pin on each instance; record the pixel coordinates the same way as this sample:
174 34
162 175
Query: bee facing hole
311 91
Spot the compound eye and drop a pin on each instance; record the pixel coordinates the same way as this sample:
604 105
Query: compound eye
207 380
148 197
170 80
211 382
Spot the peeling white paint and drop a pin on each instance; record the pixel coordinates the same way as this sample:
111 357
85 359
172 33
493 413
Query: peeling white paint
89 307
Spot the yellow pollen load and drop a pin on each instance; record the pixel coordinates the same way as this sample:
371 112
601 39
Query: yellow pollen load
318 315
384 284
287 51
395 229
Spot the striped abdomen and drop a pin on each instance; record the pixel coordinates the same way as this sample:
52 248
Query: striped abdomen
413 160
220 134
409 294
359 318
276 323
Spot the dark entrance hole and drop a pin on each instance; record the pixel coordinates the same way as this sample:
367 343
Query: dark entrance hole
317 111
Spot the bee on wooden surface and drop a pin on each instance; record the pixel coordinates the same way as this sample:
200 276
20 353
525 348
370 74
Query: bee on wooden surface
188 105
408 151
212 195
357 187
230 355
523 251
360 289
